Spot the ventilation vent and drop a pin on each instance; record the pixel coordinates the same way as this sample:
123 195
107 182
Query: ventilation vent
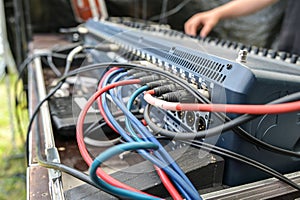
198 64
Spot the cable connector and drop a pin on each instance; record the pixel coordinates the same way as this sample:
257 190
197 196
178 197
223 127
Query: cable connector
140 75
158 91
155 84
181 96
82 30
107 47
103 47
148 79
132 71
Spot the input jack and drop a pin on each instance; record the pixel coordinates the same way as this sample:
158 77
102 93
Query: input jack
190 118
180 114
201 125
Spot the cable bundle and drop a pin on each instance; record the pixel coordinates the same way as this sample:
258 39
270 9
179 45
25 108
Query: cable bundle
139 138
133 125
160 157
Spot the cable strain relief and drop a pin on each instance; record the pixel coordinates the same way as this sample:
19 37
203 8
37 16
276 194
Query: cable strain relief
155 84
140 74
165 89
132 71
148 79
181 96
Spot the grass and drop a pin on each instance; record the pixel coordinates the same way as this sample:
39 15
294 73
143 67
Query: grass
13 166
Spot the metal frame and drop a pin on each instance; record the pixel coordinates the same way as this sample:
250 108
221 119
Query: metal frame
45 130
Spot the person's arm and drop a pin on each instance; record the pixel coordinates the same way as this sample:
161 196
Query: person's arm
207 20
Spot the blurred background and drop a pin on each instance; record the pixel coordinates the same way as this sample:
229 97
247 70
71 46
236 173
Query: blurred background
12 151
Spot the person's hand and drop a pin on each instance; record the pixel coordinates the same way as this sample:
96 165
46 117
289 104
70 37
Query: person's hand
205 20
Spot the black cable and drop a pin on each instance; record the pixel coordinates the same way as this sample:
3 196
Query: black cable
254 140
29 59
174 78
58 166
172 11
22 68
69 170
82 176
59 84
52 92
159 71
243 159
162 18
36 110
26 62
213 131
93 67
230 124
248 161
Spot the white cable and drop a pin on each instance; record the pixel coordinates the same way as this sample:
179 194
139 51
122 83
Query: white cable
172 11
72 53
98 143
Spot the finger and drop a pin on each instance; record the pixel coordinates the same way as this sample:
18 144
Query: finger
193 30
192 26
206 30
188 27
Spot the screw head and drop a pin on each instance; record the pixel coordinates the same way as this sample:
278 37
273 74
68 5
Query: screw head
242 56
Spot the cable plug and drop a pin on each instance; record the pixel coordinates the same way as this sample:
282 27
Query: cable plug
103 47
107 47
148 79
132 71
158 91
155 84
140 74
181 96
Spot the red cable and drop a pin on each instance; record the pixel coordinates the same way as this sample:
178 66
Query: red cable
164 178
99 100
168 184
79 135
227 108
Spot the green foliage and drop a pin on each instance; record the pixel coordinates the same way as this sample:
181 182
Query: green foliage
12 165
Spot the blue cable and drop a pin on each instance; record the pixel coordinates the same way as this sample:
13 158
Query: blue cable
149 137
133 133
115 150
145 154
127 121
129 106
177 178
